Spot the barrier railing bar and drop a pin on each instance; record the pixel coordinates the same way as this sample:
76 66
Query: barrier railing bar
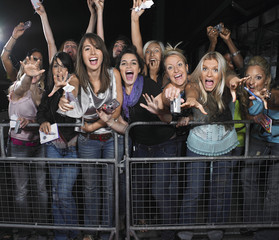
247 122
114 230
131 229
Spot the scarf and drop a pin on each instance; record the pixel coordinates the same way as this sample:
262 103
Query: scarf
133 98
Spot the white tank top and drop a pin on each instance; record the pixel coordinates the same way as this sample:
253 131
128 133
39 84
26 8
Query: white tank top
26 108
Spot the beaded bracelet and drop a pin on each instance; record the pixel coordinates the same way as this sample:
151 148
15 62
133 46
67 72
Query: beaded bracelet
14 37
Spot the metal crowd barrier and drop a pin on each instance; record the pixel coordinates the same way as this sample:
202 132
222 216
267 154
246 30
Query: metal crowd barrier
15 217
140 199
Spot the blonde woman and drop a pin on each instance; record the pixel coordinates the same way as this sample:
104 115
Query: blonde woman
25 96
209 81
151 52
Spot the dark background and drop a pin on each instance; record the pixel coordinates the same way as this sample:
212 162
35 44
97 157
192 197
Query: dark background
168 20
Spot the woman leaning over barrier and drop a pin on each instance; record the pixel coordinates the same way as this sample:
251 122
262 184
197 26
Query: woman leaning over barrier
95 84
148 141
30 178
264 141
63 174
208 89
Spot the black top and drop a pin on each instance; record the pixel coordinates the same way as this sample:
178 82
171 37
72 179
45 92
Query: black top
153 134
47 113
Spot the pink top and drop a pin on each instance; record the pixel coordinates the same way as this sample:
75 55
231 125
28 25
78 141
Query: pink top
26 108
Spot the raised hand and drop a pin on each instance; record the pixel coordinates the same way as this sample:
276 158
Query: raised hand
31 67
40 10
60 80
18 31
91 6
234 83
212 34
152 104
263 94
225 34
99 5
192 102
136 3
171 93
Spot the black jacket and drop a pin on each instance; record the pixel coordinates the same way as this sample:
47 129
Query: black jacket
47 113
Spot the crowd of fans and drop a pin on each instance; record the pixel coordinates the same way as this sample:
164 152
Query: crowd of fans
145 80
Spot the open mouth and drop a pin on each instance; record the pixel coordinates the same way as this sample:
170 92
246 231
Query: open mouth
93 60
252 89
152 61
178 78
209 83
129 75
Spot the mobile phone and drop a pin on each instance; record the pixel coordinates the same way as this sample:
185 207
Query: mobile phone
17 127
27 25
109 108
175 105
251 93
219 27
35 3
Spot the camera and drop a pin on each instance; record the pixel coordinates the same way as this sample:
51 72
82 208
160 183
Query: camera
175 105
219 27
109 108
35 3
27 25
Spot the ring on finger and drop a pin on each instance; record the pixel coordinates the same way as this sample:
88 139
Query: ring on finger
268 93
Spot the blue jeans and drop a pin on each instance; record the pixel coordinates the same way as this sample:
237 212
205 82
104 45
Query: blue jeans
219 190
29 178
164 182
98 182
257 207
63 177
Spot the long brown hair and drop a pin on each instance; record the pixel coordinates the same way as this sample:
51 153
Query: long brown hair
81 69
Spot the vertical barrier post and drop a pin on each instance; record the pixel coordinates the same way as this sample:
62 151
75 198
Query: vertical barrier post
3 153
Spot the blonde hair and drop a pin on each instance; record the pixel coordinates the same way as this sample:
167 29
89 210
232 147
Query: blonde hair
219 89
169 51
146 45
